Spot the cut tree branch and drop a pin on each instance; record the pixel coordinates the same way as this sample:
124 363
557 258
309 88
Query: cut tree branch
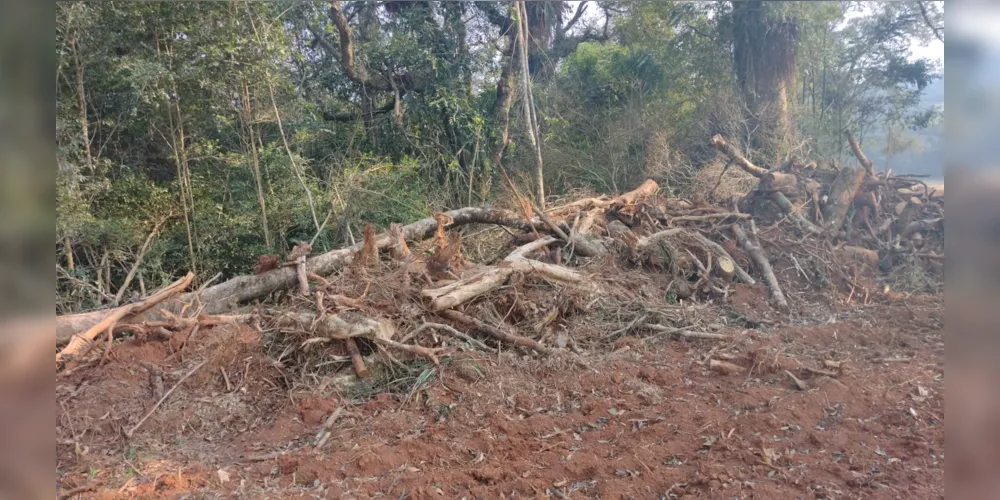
734 154
757 254
865 162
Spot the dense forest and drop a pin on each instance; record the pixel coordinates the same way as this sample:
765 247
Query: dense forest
196 136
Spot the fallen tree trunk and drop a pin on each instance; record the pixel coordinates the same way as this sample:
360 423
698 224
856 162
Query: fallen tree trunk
757 254
842 193
111 318
223 297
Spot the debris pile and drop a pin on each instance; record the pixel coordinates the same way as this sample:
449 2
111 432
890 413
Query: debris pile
581 272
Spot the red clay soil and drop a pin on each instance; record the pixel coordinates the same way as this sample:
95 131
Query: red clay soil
645 418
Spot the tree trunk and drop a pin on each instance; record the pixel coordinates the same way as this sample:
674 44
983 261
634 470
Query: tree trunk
528 100
81 99
255 162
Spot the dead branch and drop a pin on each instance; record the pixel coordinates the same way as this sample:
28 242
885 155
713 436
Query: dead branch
356 361
78 342
221 298
680 332
138 259
647 189
856 148
734 154
430 354
757 254
494 331
336 327
129 433
789 210
466 289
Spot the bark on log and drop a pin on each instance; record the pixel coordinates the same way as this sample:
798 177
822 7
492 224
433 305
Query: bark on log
224 296
734 154
78 342
757 254
842 193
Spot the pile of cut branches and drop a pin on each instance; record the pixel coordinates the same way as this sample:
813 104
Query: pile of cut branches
381 299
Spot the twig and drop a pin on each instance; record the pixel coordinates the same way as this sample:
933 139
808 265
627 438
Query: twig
687 333
495 332
430 354
816 371
449 330
79 489
131 431
225 377
324 432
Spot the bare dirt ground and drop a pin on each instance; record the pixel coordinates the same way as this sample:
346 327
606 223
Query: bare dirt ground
644 417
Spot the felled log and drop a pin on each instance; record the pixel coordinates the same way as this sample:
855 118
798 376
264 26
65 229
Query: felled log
111 318
223 297
757 254
654 249
842 193
725 267
797 187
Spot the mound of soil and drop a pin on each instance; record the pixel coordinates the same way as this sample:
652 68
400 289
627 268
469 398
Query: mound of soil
645 417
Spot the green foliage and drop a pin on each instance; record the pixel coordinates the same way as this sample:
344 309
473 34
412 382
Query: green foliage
182 102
